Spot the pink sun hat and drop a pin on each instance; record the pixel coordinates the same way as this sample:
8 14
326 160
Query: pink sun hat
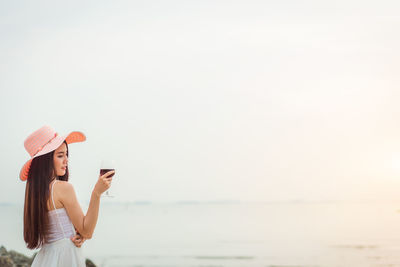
43 141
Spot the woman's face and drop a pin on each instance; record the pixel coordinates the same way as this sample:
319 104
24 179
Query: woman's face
60 160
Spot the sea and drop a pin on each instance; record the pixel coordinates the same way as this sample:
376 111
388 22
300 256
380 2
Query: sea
225 234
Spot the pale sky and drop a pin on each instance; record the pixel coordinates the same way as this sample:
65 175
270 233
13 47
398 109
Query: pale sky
207 100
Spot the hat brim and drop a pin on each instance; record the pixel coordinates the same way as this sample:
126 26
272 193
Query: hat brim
73 137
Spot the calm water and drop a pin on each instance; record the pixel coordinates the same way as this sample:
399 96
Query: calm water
233 235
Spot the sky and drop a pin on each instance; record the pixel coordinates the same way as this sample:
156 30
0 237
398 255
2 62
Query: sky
207 100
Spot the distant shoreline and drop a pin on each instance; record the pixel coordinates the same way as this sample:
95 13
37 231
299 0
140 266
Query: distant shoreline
228 202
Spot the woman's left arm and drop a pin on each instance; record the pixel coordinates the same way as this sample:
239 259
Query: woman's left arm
78 240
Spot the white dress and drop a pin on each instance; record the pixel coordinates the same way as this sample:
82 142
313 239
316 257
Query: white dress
59 250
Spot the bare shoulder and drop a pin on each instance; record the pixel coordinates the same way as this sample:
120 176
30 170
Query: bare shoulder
66 193
65 188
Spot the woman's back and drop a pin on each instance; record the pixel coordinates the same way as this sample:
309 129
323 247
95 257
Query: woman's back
60 225
58 249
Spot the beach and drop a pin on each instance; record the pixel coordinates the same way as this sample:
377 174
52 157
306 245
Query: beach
353 234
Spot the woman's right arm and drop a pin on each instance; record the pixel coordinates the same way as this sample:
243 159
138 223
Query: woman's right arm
85 224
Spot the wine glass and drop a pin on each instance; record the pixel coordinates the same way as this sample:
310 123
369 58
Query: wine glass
106 166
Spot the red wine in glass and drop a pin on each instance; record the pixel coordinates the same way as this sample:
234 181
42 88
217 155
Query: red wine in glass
104 171
106 166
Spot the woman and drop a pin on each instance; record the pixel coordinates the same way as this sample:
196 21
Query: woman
53 218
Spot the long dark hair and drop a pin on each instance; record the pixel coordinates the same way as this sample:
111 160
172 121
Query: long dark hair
37 192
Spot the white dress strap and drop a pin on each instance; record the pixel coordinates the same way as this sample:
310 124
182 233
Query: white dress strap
55 210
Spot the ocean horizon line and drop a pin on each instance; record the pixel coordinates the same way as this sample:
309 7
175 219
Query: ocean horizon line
227 202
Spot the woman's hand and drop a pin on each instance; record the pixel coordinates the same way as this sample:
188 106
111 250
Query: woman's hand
103 183
78 240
